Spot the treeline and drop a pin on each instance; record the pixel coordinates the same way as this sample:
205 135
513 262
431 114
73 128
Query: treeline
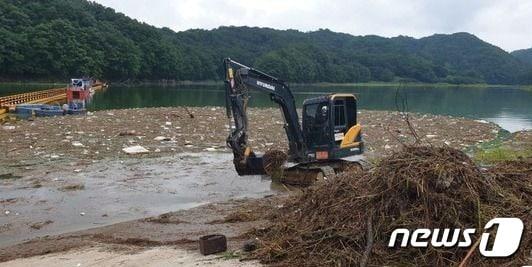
525 56
59 39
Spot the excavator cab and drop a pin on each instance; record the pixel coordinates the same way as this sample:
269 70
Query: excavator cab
330 127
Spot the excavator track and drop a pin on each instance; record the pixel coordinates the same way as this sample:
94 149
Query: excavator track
309 173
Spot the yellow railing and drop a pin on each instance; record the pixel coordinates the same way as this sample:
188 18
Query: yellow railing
13 100
43 96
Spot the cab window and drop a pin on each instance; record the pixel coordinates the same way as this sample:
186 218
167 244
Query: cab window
316 124
339 113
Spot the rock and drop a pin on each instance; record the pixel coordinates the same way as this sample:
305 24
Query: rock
9 127
431 136
210 149
168 123
133 150
250 245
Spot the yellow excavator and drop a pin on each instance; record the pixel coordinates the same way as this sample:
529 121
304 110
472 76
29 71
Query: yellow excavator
327 141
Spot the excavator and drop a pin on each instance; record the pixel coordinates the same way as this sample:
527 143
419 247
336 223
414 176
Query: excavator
328 140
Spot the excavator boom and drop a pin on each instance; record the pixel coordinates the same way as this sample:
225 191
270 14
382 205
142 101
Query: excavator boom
240 79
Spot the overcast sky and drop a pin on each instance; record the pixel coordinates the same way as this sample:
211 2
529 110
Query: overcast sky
507 24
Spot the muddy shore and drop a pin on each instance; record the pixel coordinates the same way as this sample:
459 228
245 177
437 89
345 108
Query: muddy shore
176 229
68 157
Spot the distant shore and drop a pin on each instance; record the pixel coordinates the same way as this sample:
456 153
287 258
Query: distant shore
319 84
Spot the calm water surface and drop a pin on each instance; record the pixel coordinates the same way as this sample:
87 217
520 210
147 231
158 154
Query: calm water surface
509 107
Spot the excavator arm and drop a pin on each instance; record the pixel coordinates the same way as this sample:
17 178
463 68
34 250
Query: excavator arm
240 79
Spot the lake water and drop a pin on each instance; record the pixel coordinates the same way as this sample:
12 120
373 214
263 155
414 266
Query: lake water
509 107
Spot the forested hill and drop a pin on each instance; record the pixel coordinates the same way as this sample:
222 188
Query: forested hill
525 55
59 39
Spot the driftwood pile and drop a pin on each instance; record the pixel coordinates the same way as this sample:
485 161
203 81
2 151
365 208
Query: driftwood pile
347 221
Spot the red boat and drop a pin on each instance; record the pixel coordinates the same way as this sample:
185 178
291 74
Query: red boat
79 93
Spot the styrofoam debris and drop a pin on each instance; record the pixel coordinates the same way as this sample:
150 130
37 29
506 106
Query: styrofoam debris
77 144
161 138
132 150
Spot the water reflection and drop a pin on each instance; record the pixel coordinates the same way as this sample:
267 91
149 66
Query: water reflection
507 106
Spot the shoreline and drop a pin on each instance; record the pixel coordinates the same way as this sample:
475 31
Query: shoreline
318 84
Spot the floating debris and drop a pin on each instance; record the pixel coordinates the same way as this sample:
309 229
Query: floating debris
77 144
133 150
162 138
39 225
72 187
128 133
46 136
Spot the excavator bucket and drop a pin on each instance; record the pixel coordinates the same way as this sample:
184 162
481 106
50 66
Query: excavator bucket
251 165
271 163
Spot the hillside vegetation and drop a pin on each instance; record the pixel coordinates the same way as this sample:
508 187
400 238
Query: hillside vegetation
525 55
58 39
